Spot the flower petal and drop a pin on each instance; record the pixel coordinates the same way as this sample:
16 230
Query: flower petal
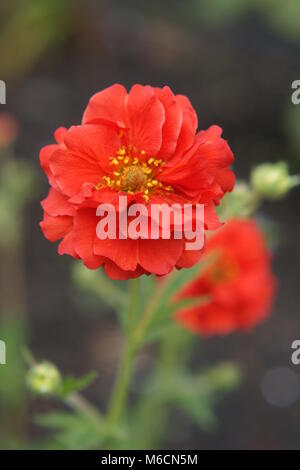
159 256
85 222
146 116
57 204
55 228
114 272
124 253
86 158
107 106
173 121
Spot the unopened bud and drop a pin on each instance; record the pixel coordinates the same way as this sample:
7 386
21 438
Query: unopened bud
44 379
272 180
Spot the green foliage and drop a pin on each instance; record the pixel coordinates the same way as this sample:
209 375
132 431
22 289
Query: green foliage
12 385
71 384
282 16
17 186
72 431
30 29
220 12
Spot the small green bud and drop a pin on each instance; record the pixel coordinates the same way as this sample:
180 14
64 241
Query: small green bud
272 180
44 379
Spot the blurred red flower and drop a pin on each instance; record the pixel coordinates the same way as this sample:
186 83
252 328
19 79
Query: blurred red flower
142 144
8 130
239 283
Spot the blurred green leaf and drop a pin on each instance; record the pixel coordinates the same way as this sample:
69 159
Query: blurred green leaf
12 375
219 12
197 395
71 384
166 305
282 16
73 431
29 30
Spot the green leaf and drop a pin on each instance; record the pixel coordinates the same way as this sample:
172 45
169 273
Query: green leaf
71 431
71 384
197 396
167 305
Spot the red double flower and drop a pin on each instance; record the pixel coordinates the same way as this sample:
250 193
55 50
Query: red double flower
238 285
143 144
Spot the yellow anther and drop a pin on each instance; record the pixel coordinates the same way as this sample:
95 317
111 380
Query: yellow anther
134 174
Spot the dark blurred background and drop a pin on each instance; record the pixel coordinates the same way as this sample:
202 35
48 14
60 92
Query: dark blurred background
236 61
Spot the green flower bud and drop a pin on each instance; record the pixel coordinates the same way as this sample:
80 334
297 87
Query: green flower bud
272 180
44 379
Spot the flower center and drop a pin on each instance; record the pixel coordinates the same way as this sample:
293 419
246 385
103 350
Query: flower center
133 178
224 270
134 173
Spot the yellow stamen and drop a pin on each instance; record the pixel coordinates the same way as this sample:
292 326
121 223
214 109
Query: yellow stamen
133 175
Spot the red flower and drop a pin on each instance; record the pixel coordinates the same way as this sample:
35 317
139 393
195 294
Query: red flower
8 130
239 283
142 144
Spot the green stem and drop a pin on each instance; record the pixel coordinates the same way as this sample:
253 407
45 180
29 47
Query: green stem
120 393
82 406
121 389
135 338
133 305
174 354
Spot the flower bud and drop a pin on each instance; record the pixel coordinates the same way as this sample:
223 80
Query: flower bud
272 180
44 379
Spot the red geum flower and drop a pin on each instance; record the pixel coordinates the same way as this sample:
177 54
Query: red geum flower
142 144
239 283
